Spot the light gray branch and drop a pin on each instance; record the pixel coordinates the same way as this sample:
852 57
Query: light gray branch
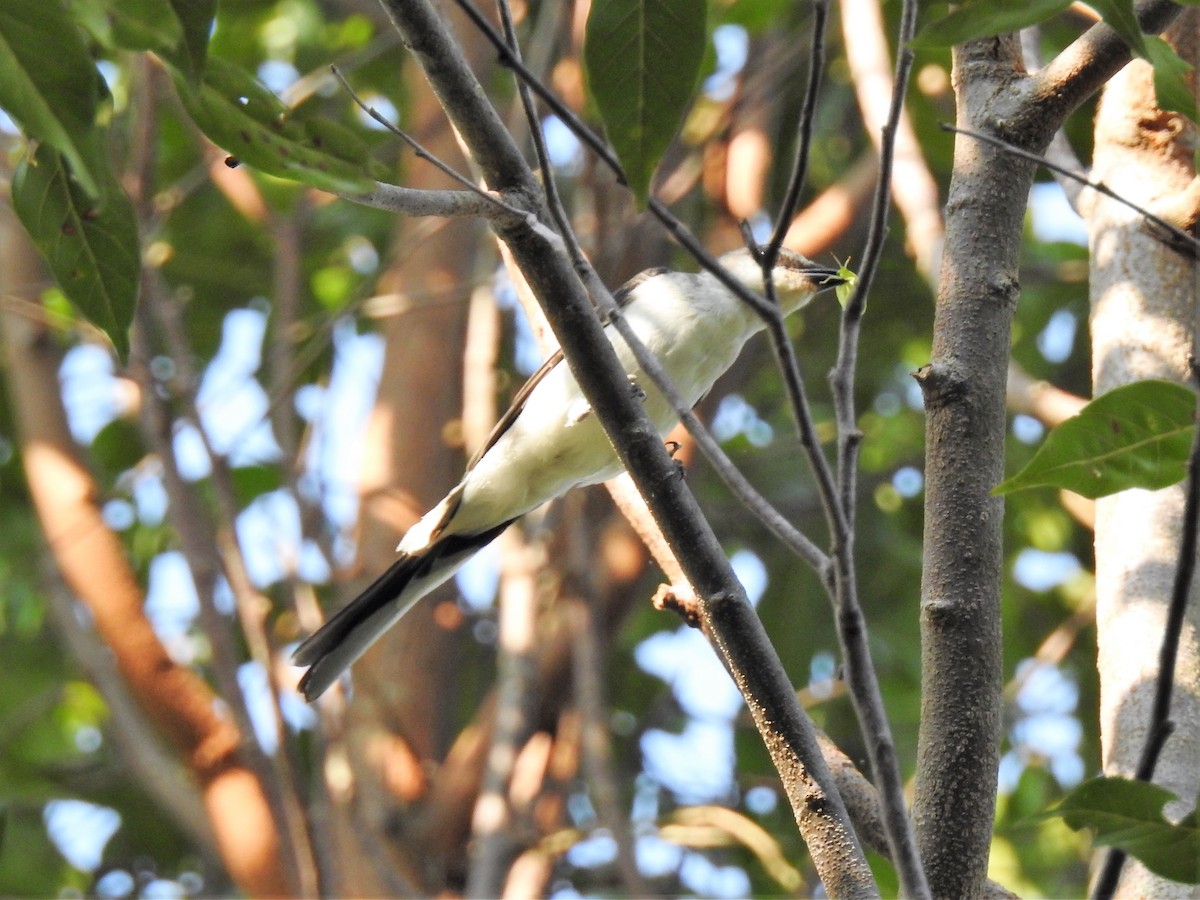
449 204
861 677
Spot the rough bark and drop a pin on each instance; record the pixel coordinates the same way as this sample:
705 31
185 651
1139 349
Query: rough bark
965 427
965 431
1143 325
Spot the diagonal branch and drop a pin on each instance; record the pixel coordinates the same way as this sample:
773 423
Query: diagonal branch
1174 236
741 639
1082 68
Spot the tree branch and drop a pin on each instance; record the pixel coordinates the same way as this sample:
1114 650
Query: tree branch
90 558
741 637
860 674
1172 235
1081 69
808 114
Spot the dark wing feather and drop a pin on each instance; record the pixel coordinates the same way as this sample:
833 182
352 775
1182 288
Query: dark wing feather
514 408
382 590
621 297
318 650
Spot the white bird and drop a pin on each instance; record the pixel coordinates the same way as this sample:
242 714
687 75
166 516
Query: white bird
549 442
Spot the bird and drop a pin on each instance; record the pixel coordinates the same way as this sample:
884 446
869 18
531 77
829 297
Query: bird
549 441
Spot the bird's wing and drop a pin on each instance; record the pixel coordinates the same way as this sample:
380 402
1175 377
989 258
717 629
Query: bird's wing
514 408
622 296
350 631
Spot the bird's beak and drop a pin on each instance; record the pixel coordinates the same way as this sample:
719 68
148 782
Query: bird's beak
824 277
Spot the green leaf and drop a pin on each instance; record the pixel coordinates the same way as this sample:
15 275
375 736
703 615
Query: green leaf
845 290
1135 436
50 86
1128 814
985 18
239 114
1170 81
118 447
196 17
91 246
251 482
643 59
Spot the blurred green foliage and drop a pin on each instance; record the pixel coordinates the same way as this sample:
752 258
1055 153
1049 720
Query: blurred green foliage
215 258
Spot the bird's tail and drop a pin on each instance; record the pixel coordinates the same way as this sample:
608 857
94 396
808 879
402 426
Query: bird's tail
331 649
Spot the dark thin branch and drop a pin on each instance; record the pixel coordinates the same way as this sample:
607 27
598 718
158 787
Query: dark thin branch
741 638
806 427
1160 727
781 345
861 678
398 193
603 152
1062 154
1174 237
399 132
763 510
1160 724
808 114
511 60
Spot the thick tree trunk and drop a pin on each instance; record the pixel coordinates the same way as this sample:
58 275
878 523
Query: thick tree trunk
1143 323
963 386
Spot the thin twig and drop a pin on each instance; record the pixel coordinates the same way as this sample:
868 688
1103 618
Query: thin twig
206 559
424 154
781 345
191 520
1179 240
808 114
412 142
770 516
861 677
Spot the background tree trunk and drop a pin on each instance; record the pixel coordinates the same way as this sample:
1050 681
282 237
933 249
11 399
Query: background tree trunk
1143 323
91 560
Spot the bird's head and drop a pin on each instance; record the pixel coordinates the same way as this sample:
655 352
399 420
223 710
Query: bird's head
797 279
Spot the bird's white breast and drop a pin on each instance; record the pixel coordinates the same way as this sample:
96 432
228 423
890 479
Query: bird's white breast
551 447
